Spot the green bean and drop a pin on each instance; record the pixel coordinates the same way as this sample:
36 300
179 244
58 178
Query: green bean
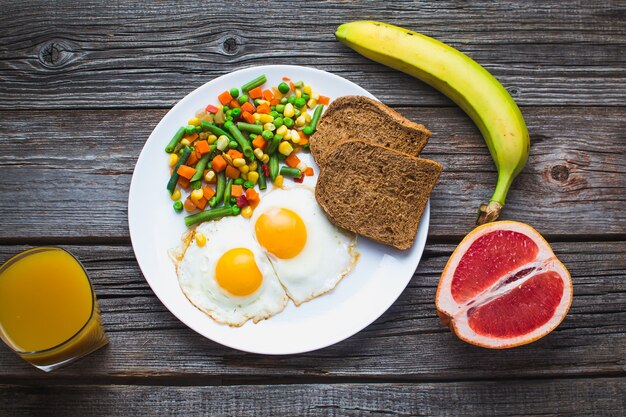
210 215
262 181
273 166
200 166
247 127
316 117
274 144
219 190
243 142
290 172
177 137
260 80
229 184
216 130
174 178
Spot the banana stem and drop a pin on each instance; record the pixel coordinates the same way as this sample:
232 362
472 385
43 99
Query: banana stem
490 212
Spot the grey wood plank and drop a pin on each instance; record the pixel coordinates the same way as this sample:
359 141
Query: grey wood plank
66 174
94 54
589 397
405 343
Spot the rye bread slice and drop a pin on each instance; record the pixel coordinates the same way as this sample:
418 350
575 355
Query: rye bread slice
359 117
375 191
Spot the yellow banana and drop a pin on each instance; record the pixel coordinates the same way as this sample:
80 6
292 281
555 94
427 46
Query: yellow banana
464 81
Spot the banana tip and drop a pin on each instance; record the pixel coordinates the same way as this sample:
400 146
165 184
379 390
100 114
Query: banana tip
342 32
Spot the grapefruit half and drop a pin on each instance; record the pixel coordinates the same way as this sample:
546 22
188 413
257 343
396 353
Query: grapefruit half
503 287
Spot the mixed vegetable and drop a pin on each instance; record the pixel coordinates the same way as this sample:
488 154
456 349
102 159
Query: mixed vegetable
228 150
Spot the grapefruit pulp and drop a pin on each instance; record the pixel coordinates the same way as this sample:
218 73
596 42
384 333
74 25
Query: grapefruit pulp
503 287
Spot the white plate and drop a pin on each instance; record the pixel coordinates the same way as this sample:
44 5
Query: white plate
367 292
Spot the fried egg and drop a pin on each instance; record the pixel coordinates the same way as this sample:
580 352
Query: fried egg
309 254
230 277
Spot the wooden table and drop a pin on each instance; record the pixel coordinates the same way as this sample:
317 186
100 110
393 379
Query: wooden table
82 85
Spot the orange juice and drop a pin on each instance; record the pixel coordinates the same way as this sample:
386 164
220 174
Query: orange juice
48 311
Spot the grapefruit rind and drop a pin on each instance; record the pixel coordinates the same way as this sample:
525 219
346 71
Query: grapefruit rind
455 314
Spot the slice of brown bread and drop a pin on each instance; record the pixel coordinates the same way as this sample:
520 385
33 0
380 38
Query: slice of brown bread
375 191
360 117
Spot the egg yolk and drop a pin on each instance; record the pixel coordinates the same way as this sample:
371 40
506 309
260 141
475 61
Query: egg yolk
281 232
236 272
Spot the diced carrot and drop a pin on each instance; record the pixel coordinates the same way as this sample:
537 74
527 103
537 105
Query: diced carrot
189 205
234 104
323 100
292 160
202 146
268 95
183 182
201 204
255 93
249 118
252 195
259 142
292 86
274 102
211 109
208 192
225 97
309 172
232 172
197 152
302 135
234 153
303 141
277 93
263 108
191 137
218 163
247 106
186 171
286 79
236 190
193 158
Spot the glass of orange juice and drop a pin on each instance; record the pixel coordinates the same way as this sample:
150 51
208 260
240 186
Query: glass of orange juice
48 310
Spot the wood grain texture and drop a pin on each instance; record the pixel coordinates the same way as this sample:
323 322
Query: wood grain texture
405 343
94 54
74 170
592 397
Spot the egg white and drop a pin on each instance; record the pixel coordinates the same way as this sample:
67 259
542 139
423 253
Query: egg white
196 275
328 255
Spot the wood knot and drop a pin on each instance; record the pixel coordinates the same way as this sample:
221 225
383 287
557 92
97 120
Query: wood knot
559 173
514 91
230 45
56 53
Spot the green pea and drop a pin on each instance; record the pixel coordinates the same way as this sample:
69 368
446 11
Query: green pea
236 210
256 102
288 121
291 99
229 118
228 124
242 99
233 200
272 108
306 97
283 88
280 108
228 112
308 130
278 137
278 122
196 185
284 101
234 92
274 114
189 130
233 144
225 108
236 113
267 135
300 102
238 181
248 184
253 136
178 206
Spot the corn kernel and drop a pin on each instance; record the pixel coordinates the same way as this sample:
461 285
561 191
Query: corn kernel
239 162
175 195
266 118
253 177
219 106
315 96
244 169
311 103
298 92
258 152
295 136
265 159
261 101
211 139
200 239
253 165
246 212
185 142
301 166
307 117
285 148
269 126
278 181
197 195
244 176
307 89
289 110
222 143
300 121
227 158
210 176
257 116
173 160
194 121
282 130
